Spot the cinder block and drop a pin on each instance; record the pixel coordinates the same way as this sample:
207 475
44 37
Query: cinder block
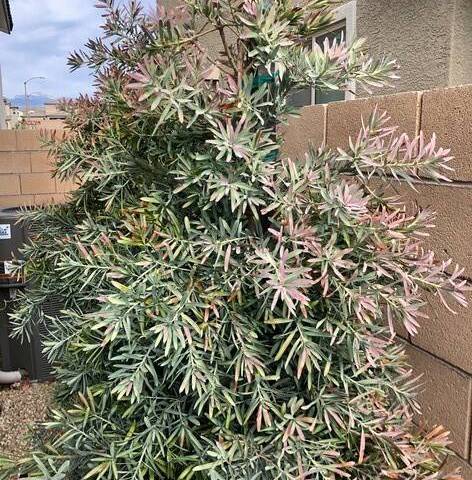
28 140
453 462
453 207
445 397
398 328
448 113
453 224
49 198
8 201
9 184
67 186
446 335
344 118
15 162
41 161
7 140
32 183
304 130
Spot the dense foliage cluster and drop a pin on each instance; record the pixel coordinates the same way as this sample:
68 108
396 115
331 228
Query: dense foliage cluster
228 312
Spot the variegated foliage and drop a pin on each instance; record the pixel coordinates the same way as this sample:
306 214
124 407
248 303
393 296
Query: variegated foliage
228 312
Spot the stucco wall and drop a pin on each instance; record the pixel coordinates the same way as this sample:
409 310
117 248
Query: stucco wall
442 350
416 33
212 41
460 70
430 39
2 105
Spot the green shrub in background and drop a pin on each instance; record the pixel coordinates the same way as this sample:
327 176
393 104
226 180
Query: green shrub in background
229 311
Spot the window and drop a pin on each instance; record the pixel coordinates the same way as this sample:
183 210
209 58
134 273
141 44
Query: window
344 26
322 95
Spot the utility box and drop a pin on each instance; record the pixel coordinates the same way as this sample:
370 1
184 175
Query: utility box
14 354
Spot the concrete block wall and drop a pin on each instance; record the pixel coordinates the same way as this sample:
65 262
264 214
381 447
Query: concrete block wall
25 171
442 350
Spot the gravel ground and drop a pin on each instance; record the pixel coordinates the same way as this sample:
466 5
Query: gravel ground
20 407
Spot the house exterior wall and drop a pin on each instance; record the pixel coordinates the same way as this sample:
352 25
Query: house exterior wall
3 123
51 108
417 34
13 116
442 350
43 122
430 39
212 41
460 69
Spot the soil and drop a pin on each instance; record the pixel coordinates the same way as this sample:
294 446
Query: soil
21 406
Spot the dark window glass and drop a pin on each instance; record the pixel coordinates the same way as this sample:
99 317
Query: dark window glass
302 97
336 34
323 95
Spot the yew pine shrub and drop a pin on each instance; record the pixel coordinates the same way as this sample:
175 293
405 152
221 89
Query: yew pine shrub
228 311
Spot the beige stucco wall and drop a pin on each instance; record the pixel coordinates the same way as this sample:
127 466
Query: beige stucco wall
460 70
212 41
415 32
431 39
2 104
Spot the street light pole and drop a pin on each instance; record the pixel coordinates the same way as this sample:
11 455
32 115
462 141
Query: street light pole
25 84
26 100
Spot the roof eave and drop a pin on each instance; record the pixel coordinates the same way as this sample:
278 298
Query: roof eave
8 18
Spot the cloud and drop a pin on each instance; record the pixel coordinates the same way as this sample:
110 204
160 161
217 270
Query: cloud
44 33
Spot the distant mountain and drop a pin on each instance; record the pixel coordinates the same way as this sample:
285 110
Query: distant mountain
34 100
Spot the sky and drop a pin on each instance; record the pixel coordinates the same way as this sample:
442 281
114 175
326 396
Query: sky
44 33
